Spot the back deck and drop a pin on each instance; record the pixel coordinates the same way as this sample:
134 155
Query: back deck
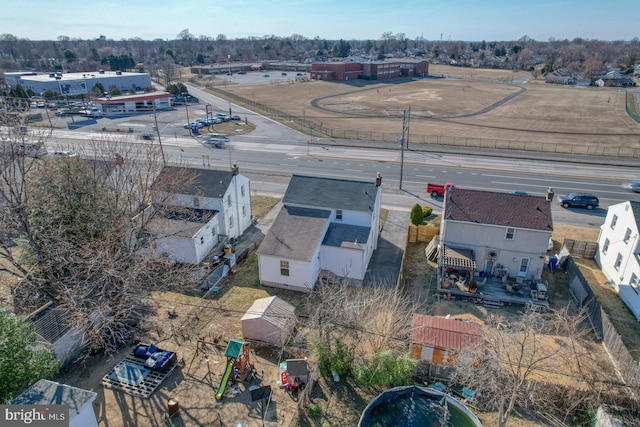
495 292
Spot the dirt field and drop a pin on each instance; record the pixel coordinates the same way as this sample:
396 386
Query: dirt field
535 114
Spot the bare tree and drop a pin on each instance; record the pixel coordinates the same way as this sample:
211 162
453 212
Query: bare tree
63 228
513 371
366 320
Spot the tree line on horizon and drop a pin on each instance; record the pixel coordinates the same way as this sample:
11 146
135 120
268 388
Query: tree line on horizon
580 57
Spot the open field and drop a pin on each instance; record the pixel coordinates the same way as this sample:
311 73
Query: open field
464 109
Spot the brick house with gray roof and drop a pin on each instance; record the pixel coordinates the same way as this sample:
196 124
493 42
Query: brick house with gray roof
327 228
497 232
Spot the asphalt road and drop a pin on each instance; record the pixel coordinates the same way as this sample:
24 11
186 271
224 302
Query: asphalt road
273 152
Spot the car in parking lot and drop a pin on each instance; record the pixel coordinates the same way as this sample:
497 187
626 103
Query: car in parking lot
299 74
192 124
64 153
242 72
204 122
215 120
284 74
265 75
632 186
578 200
236 118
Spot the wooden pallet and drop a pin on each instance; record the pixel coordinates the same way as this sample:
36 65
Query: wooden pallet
147 387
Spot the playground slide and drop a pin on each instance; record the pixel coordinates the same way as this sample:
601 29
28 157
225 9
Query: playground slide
225 380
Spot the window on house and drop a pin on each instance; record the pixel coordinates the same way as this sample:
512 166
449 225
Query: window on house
196 202
213 231
627 235
202 240
244 210
229 201
230 222
605 246
634 283
339 215
618 262
242 190
614 220
510 234
284 268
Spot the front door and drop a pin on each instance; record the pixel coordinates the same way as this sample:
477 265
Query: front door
524 267
488 268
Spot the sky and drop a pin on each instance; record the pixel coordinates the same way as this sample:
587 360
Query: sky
466 20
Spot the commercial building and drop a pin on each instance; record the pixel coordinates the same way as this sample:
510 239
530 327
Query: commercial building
138 103
78 83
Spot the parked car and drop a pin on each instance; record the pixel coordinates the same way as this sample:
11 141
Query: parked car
299 74
284 74
215 120
64 153
632 186
192 124
236 118
578 200
223 117
205 122
265 75
242 72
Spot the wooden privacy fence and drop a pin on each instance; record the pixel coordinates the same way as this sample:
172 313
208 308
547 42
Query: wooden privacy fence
602 327
422 233
581 248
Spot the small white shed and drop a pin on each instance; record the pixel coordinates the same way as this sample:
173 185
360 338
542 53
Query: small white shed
269 320
79 401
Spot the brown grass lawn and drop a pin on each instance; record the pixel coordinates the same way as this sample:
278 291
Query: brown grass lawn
462 108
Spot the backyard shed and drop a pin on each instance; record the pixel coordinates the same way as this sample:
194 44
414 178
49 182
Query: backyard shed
442 340
269 320
49 393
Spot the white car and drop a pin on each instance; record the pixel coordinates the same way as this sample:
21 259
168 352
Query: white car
64 153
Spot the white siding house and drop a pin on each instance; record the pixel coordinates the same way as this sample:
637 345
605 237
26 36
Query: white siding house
326 228
619 252
193 210
506 233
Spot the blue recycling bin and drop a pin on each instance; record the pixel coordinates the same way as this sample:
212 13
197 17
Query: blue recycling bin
553 262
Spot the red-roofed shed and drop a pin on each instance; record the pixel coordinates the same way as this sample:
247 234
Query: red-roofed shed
443 341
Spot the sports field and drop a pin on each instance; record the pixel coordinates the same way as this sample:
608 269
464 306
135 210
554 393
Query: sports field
485 106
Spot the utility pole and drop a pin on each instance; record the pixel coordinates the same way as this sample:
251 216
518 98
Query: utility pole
405 137
155 120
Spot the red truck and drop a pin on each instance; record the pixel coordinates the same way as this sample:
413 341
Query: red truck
438 189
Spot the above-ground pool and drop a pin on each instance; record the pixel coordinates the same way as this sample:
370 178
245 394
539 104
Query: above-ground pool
416 406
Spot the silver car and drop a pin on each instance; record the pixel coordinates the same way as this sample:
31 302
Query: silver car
632 186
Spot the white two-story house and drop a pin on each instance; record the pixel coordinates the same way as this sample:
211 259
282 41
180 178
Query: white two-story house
326 228
498 233
193 210
619 252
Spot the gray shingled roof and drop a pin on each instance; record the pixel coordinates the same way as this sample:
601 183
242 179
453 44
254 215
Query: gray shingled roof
331 193
192 181
504 209
339 234
295 233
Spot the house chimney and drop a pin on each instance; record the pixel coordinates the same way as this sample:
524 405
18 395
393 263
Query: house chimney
378 179
235 170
